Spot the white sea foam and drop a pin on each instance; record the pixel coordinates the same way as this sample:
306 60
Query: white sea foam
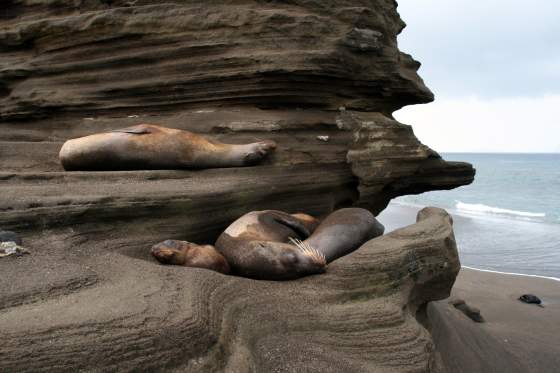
512 273
479 208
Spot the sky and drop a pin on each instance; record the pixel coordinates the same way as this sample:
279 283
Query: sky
494 67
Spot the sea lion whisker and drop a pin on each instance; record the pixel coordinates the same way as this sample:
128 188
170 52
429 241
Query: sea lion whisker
308 250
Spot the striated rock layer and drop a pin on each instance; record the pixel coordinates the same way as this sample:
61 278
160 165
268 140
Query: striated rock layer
93 56
103 305
321 78
236 70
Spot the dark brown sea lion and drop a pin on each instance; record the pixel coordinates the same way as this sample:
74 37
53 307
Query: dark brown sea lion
274 245
264 244
257 246
148 146
187 254
344 231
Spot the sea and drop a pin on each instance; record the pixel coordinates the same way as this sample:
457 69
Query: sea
507 220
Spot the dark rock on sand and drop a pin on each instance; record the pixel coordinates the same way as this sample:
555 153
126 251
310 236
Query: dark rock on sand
530 298
514 338
8 236
472 313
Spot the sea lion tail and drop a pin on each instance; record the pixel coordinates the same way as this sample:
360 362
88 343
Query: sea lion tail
310 251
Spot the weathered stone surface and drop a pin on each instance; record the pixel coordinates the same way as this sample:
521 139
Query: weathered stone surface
321 78
304 173
71 68
102 304
91 56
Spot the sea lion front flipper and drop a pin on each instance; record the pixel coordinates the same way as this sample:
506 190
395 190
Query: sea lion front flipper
134 130
292 223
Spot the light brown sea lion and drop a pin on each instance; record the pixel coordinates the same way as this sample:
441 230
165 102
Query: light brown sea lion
147 146
187 254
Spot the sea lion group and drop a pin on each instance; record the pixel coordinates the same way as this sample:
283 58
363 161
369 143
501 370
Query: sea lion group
269 245
274 245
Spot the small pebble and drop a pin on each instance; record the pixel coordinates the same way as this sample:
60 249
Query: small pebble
11 248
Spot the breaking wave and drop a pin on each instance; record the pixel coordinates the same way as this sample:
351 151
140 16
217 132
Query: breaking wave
478 208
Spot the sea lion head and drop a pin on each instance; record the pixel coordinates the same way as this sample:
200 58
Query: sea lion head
188 254
169 252
270 260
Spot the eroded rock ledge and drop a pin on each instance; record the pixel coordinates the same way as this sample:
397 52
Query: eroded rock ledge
367 160
331 70
321 78
114 312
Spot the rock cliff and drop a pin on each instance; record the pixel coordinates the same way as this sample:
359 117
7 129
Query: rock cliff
321 78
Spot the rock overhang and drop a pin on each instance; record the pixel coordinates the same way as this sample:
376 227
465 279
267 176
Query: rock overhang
321 78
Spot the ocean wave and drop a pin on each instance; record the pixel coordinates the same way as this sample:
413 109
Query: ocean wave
400 202
479 208
512 273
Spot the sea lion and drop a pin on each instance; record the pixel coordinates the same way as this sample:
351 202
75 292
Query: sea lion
190 255
264 244
257 246
148 146
344 231
274 245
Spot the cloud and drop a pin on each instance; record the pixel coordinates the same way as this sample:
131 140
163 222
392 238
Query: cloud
475 124
486 48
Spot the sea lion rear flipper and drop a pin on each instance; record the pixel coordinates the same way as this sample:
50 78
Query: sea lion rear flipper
292 223
134 130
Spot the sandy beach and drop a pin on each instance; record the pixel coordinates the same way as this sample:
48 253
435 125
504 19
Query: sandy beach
515 337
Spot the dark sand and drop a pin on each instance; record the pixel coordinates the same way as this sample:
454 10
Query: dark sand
515 337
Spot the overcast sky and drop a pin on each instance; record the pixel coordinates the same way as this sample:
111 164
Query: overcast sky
494 67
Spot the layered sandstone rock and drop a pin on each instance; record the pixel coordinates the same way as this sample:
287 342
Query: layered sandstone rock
103 305
321 78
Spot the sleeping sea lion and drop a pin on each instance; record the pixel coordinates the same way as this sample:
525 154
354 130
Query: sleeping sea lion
148 146
187 254
257 246
274 245
264 244
344 231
